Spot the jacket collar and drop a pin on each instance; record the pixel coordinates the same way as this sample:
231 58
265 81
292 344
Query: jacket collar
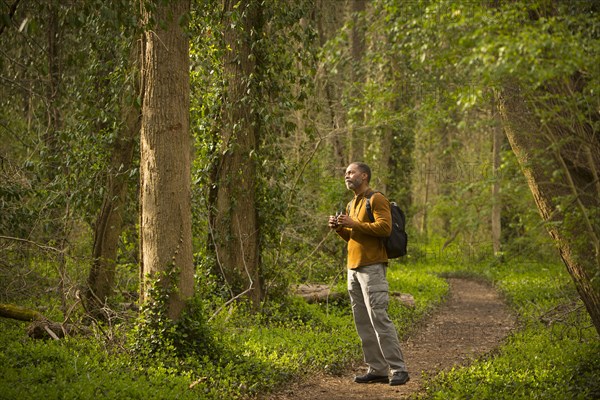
364 194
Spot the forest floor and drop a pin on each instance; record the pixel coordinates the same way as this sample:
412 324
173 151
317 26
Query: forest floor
472 322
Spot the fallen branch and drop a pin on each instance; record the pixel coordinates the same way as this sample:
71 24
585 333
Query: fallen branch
41 327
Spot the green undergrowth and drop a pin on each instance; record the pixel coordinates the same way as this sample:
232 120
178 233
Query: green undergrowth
553 353
294 339
245 354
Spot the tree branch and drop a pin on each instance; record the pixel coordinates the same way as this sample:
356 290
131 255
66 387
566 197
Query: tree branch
41 246
11 14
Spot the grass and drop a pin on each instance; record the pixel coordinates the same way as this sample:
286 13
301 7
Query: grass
552 355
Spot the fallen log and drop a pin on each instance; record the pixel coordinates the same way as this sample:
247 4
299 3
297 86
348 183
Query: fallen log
19 313
316 293
41 327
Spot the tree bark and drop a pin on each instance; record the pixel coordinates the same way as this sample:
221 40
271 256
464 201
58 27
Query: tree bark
564 191
108 227
235 217
165 159
496 200
357 136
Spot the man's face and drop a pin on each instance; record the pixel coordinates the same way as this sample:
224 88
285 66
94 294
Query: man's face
354 177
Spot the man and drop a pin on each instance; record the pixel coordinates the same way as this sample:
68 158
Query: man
367 283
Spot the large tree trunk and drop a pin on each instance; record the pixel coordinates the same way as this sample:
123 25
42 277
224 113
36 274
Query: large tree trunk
357 134
235 222
561 164
107 230
165 163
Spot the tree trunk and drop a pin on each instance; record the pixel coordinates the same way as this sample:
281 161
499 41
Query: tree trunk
445 164
329 18
496 201
387 138
235 222
108 226
357 136
165 159
53 89
59 211
427 172
561 179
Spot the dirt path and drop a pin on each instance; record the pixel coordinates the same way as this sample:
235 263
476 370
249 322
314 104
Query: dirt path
472 322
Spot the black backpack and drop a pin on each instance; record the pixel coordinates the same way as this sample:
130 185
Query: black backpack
395 244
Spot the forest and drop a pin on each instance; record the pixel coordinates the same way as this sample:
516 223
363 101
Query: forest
168 167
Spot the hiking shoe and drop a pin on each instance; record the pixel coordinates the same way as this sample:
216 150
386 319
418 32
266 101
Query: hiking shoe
370 378
399 378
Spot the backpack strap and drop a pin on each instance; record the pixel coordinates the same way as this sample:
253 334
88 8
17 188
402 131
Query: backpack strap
368 206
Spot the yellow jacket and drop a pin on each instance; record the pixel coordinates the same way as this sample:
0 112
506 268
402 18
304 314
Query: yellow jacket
365 244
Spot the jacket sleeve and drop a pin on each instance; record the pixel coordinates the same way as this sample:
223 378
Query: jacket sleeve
382 226
344 233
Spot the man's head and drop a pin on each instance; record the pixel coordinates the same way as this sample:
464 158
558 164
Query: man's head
357 177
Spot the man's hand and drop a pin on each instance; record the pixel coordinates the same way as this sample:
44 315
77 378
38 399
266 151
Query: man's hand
346 221
333 222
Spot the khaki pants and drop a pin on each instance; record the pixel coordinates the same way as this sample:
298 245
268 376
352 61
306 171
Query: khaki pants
369 296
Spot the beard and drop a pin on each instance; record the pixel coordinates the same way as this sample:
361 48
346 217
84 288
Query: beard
353 183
